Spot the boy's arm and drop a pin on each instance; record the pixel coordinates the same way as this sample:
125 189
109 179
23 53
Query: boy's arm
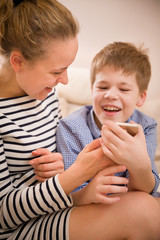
140 168
150 133
142 180
102 188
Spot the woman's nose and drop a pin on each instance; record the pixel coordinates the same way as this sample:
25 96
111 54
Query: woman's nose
64 78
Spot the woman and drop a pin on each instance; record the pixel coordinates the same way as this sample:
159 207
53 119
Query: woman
38 42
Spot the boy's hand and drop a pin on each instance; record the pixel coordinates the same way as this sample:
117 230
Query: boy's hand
47 165
102 184
124 149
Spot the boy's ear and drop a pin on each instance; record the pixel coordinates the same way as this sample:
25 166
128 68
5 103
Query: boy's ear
141 99
16 60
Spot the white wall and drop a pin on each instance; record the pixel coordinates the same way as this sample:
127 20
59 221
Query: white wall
105 21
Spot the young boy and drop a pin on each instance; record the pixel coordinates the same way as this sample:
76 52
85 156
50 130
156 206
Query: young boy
120 74
116 90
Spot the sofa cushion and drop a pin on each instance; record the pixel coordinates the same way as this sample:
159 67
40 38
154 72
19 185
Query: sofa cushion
77 91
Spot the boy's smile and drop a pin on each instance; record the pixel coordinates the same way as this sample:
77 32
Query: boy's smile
111 110
115 95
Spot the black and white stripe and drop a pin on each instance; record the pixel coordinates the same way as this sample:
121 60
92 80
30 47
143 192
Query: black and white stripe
29 208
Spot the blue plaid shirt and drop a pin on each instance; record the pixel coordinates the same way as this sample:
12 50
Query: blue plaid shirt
79 128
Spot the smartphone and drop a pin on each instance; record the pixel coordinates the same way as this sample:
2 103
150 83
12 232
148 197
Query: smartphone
131 128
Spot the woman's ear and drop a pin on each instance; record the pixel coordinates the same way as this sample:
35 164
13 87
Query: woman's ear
16 60
141 99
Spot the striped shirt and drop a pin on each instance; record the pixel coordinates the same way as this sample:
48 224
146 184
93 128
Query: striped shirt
28 208
79 128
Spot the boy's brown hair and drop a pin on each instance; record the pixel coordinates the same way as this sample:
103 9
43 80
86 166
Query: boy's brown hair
126 57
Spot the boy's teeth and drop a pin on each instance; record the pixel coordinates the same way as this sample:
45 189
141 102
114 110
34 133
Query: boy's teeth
111 108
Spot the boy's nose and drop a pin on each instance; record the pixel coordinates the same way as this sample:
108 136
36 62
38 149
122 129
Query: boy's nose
111 93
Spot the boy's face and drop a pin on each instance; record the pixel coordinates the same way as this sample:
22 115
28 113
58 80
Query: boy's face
115 96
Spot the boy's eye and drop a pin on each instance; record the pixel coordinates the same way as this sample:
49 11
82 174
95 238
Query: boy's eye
103 88
124 90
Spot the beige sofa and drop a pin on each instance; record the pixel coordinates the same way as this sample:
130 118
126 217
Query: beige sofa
77 93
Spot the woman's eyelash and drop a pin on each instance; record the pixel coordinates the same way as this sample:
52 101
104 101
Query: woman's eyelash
56 73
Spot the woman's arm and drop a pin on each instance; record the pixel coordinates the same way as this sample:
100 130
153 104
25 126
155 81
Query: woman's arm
88 163
21 201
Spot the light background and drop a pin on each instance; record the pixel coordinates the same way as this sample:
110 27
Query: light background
104 21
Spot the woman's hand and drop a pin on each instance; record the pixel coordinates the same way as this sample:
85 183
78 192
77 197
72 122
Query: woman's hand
47 165
89 162
102 184
92 159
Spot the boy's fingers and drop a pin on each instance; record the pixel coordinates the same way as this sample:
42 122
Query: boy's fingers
111 182
106 200
113 169
113 189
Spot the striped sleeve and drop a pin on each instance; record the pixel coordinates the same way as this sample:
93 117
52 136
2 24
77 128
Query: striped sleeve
18 206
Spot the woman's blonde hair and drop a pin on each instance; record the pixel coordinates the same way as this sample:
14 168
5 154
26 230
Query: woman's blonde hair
126 57
28 26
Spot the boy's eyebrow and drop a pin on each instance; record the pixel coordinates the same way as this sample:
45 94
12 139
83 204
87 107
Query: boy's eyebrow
102 81
120 83
125 83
